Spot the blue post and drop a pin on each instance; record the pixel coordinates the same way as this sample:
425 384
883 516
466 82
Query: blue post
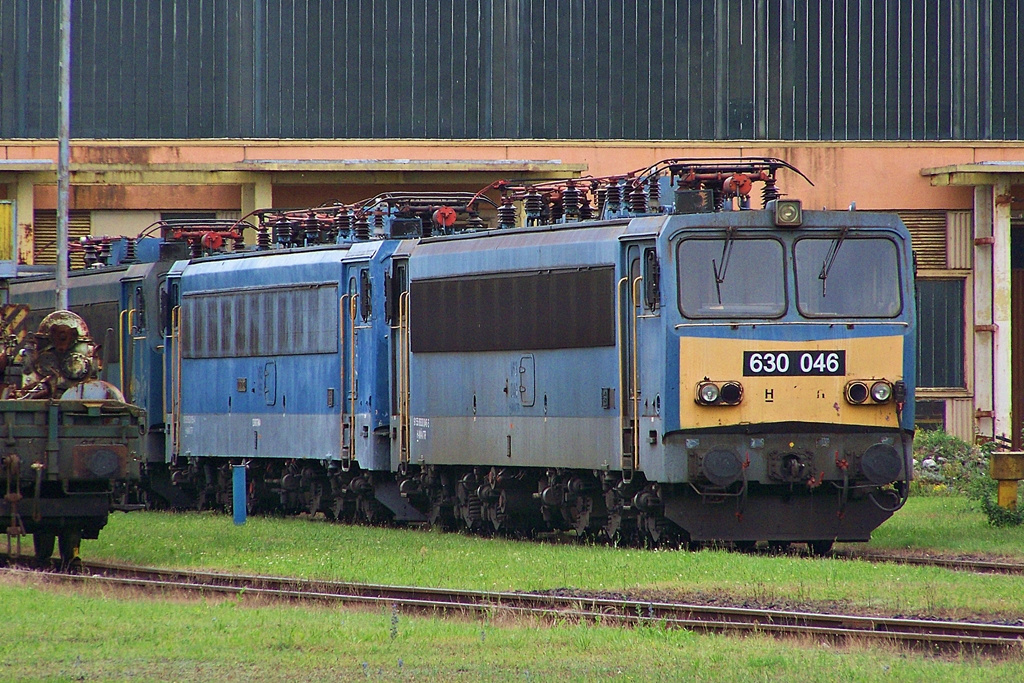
238 493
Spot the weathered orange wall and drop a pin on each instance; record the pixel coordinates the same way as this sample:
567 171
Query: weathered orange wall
312 195
156 197
876 175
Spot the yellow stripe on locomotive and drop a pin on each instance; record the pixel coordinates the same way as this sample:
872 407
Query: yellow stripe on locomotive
848 381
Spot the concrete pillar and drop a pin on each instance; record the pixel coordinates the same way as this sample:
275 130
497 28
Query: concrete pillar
983 243
1002 380
24 195
258 195
992 359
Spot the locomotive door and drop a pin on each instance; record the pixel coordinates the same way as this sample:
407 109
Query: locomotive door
631 294
131 301
270 382
396 309
138 374
355 311
170 321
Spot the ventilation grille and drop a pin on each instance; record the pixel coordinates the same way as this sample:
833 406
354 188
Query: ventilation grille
960 418
44 240
960 240
928 231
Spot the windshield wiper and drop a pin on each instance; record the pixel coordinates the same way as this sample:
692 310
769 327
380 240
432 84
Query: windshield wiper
830 257
719 270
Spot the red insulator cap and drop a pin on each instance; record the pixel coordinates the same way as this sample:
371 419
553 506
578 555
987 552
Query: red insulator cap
445 216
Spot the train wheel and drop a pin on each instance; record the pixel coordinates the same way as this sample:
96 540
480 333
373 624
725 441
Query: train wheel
43 542
341 510
441 515
820 548
315 497
69 543
370 511
658 532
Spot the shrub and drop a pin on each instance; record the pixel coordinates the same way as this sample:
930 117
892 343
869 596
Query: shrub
982 493
944 463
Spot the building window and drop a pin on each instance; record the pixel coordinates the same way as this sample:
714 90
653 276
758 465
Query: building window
930 415
940 340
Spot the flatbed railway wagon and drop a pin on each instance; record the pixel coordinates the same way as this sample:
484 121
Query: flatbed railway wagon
63 453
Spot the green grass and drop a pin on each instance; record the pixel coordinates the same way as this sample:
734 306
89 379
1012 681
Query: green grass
316 549
55 633
948 524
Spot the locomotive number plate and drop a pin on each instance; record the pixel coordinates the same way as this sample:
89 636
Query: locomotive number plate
788 363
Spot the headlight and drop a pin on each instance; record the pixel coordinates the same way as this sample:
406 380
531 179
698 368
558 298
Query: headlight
788 213
881 392
707 393
710 394
732 393
856 392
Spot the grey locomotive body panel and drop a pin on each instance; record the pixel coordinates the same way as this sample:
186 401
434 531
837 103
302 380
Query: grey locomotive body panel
516 363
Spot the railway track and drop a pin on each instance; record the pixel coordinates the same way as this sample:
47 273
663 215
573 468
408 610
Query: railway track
933 636
965 564
975 565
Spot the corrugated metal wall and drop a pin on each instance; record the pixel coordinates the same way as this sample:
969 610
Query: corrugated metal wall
576 69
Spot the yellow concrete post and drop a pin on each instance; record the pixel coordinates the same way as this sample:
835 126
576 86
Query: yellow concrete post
8 231
1007 468
26 203
257 195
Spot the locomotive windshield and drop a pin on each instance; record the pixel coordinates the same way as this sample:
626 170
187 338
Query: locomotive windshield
732 278
853 277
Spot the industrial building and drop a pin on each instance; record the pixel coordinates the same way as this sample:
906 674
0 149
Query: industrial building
218 107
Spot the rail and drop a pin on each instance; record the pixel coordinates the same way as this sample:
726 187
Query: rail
928 635
636 309
124 322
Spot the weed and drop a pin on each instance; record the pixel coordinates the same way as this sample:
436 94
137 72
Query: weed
946 464
982 492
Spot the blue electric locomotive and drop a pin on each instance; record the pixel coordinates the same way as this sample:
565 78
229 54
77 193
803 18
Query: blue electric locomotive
702 374
601 362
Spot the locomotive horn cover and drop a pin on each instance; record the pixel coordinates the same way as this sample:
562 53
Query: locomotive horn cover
722 467
881 464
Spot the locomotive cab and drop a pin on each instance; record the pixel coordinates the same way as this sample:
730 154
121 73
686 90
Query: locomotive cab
793 349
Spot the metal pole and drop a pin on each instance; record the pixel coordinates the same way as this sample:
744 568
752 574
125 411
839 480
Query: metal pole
238 493
63 155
